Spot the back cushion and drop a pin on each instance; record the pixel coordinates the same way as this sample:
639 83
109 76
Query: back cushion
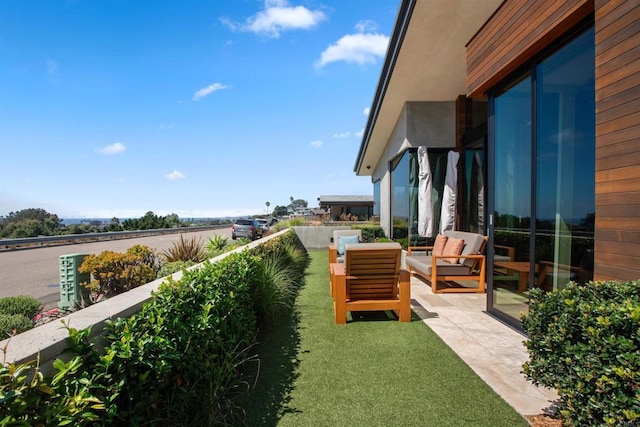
346 240
438 246
453 247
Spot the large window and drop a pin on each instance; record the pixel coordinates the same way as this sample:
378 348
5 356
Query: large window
400 196
544 177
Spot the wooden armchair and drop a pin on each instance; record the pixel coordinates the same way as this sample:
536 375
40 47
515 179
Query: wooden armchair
370 279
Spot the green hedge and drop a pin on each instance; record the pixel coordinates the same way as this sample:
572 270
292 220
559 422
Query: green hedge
370 232
584 341
177 362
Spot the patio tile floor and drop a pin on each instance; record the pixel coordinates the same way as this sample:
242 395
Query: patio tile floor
492 349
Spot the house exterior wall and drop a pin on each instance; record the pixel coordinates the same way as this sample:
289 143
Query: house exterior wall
517 31
617 244
522 28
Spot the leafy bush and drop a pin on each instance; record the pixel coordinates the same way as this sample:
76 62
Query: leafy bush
370 232
10 323
30 399
177 362
186 249
178 357
584 341
172 267
23 304
114 272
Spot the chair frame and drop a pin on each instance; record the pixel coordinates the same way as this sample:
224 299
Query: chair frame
395 287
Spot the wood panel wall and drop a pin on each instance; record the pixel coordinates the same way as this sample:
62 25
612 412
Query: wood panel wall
518 30
617 247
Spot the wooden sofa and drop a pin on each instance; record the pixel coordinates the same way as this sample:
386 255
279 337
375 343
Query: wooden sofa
371 279
434 269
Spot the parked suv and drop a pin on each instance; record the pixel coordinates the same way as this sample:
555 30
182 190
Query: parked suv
244 227
264 226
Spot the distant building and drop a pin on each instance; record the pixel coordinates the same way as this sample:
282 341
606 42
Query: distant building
336 206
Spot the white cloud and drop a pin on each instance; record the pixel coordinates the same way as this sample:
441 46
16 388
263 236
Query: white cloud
115 148
366 111
363 47
175 175
360 133
276 17
342 135
316 144
367 26
208 90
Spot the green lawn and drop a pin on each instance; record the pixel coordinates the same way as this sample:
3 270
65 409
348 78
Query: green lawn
370 372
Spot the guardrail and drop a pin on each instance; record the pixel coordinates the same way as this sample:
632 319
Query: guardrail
32 242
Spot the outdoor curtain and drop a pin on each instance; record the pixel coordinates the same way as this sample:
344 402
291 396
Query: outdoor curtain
448 213
425 194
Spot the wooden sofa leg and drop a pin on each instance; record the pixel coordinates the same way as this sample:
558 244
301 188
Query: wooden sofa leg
340 299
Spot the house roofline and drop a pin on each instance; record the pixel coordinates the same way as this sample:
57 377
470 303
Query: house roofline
403 19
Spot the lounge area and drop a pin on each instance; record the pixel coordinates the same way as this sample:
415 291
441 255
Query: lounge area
459 370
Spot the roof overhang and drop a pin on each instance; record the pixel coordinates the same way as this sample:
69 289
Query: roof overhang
425 61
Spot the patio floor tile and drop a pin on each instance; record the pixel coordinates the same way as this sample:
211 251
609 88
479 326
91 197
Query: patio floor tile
492 349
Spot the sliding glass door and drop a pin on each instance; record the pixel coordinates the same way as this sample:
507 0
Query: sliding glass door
543 198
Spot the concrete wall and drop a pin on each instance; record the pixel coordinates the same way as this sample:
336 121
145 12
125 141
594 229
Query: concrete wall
317 237
432 124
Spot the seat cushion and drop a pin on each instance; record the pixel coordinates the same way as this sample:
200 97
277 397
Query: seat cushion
423 264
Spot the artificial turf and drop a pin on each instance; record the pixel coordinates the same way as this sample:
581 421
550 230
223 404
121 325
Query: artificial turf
374 371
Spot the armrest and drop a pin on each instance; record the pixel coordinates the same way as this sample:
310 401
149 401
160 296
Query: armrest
418 249
511 251
333 254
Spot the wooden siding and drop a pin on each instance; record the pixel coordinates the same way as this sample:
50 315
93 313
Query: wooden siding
517 31
617 246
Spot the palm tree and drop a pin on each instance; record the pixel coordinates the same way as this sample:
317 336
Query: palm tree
268 204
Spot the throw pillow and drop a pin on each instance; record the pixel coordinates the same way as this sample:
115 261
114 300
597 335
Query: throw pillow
453 247
438 246
346 240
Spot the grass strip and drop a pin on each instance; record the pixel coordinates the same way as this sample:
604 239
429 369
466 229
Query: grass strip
374 371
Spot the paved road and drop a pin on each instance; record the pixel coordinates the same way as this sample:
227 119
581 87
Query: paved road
35 272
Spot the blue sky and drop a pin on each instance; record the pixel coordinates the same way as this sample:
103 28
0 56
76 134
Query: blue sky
200 108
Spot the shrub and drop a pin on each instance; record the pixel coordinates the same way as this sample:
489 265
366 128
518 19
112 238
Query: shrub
216 245
370 232
584 341
10 323
25 305
28 398
186 249
114 272
172 267
177 362
179 356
